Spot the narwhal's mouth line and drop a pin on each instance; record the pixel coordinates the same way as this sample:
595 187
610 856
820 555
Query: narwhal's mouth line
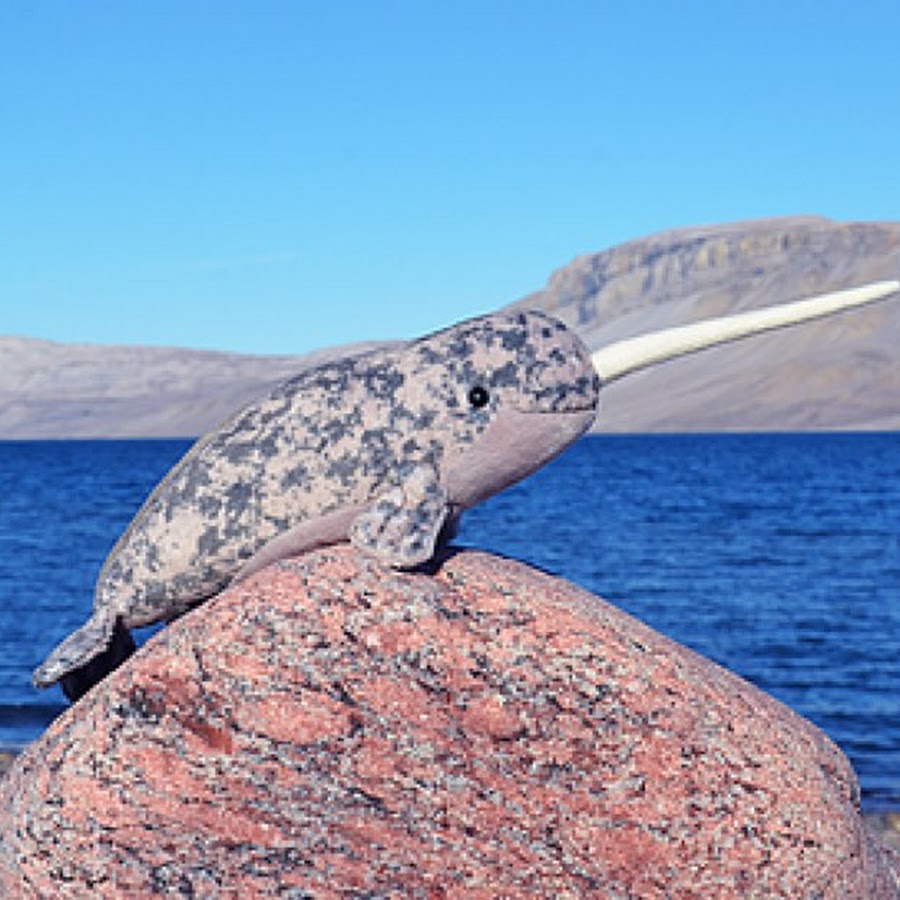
627 356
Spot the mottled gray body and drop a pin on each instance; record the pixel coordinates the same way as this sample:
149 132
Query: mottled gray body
384 449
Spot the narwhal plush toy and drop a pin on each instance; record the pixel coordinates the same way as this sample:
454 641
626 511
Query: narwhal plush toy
384 449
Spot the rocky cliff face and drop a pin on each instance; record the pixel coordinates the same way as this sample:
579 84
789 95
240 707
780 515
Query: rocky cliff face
841 373
838 373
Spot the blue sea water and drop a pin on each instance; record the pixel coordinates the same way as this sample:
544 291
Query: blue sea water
778 556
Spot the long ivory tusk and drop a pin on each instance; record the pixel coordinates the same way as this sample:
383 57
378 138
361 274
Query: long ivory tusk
624 357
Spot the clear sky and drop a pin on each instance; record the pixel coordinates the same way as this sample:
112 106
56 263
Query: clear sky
274 176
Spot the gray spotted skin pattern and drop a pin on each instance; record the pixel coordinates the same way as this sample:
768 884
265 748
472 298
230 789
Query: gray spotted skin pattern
384 449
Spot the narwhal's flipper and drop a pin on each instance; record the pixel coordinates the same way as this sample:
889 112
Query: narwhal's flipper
78 682
403 525
86 656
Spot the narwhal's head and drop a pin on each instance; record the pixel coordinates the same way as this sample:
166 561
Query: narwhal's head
526 361
518 389
503 394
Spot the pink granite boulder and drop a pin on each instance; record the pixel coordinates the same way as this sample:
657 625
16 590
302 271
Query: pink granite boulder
330 728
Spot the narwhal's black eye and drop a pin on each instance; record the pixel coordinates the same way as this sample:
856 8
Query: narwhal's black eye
478 396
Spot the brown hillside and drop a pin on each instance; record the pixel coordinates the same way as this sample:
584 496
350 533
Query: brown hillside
840 373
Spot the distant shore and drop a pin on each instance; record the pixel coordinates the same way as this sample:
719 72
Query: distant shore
832 375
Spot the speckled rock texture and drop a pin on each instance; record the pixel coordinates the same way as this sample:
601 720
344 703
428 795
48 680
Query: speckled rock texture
330 728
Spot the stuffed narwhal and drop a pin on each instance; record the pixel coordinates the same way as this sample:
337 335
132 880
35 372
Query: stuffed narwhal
385 449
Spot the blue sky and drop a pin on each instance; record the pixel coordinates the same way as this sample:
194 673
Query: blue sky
278 176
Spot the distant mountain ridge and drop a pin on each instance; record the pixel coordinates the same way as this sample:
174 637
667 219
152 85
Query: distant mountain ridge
52 390
838 373
841 373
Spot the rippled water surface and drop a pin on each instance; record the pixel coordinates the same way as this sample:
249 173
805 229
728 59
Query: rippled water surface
775 555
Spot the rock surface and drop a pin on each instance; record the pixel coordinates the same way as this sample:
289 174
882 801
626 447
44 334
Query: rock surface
836 374
329 729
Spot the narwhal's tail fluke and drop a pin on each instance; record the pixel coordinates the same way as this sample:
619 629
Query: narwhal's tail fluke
86 656
624 357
